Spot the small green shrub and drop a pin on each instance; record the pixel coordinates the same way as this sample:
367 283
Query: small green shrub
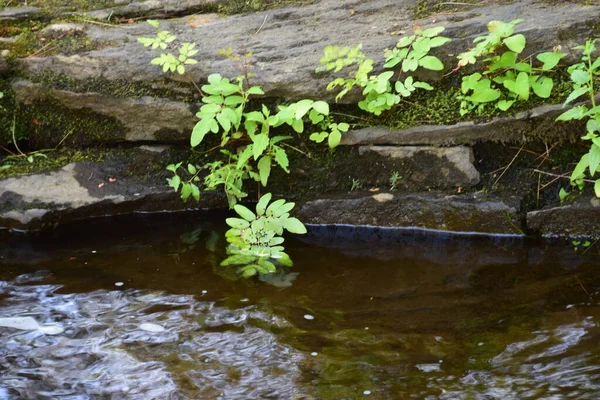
583 76
255 239
506 78
382 92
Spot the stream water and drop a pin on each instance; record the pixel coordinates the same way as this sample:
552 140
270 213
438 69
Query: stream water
364 313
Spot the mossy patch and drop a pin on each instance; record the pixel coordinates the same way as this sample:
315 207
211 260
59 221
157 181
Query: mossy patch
15 165
425 8
121 88
246 6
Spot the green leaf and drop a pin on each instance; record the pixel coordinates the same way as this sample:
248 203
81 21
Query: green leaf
201 129
282 159
174 182
432 63
482 93
515 43
294 225
423 85
405 41
237 223
267 265
321 107
244 212
409 65
334 139
261 206
286 208
573 113
302 108
580 76
594 159
153 22
543 87
597 188
431 32
249 271
438 41
563 194
192 169
504 104
224 120
264 169
576 93
549 59
261 142
506 60
274 206
255 90
580 168
186 191
520 86
195 192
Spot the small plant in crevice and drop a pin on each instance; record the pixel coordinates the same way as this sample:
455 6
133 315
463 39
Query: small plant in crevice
382 91
394 179
356 184
583 76
255 239
507 78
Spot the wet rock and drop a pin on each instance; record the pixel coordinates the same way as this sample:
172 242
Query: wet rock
581 217
431 210
143 119
538 123
287 43
82 190
432 166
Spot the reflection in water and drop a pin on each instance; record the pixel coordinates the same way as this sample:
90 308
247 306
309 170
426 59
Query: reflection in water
396 315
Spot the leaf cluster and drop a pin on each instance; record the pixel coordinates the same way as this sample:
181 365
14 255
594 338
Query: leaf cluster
256 237
583 76
381 92
169 61
506 78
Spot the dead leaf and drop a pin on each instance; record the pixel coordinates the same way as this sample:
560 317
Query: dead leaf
112 180
374 190
100 185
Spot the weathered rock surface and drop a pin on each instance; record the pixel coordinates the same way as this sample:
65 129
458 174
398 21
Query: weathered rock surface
147 7
17 13
432 166
582 217
142 119
429 210
81 190
287 43
539 123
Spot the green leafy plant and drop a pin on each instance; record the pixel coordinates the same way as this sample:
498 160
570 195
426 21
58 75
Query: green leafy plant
394 179
507 78
168 61
382 91
583 76
255 238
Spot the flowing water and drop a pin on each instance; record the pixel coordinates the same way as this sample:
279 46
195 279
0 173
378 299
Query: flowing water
147 313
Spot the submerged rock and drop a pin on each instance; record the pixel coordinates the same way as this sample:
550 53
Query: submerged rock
430 210
581 217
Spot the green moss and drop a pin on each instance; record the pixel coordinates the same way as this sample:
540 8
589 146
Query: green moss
121 88
15 165
425 8
246 6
